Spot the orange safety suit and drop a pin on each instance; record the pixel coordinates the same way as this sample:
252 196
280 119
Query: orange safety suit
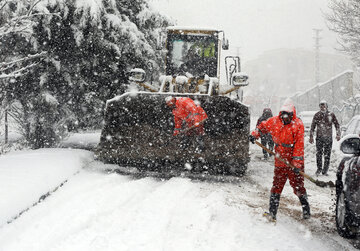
187 114
289 145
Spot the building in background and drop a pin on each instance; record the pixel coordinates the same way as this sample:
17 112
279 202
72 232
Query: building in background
281 73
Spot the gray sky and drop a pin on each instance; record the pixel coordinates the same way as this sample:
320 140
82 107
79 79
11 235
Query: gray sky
256 25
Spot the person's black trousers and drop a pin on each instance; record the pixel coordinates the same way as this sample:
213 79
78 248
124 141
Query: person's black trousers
323 147
196 140
266 140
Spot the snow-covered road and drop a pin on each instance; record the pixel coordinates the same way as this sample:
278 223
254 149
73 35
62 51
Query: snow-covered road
96 210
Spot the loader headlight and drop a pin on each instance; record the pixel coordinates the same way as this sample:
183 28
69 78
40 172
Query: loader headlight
240 79
137 75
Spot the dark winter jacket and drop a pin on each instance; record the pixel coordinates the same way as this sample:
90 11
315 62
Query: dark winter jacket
267 113
323 122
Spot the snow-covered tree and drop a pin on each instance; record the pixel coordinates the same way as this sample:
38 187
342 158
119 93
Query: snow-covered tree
86 49
344 20
16 21
93 44
18 55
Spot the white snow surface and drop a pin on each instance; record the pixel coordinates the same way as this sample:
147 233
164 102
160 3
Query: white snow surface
192 28
83 140
98 210
27 175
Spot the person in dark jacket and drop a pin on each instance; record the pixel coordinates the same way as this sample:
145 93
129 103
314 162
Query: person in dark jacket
323 121
266 138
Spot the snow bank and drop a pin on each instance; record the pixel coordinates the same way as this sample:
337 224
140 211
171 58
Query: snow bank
84 140
27 175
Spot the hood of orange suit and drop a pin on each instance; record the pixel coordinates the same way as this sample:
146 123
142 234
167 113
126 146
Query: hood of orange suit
288 106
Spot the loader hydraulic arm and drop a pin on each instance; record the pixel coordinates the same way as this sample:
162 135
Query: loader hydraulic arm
147 87
230 90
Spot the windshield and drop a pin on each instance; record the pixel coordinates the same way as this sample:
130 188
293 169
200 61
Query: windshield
354 127
196 55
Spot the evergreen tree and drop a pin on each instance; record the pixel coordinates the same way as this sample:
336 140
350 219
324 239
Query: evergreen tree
94 46
87 48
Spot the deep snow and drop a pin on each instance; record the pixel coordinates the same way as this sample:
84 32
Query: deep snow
96 210
27 175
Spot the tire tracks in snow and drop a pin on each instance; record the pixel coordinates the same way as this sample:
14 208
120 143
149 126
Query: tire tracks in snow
44 196
321 223
258 199
41 199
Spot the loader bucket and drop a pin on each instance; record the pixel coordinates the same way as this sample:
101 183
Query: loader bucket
138 132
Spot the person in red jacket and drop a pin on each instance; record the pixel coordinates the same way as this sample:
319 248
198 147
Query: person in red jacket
187 115
288 135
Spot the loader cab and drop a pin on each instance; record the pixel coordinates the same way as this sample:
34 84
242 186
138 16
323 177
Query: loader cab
192 64
191 51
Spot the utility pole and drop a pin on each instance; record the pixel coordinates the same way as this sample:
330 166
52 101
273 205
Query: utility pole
4 104
6 127
317 55
237 51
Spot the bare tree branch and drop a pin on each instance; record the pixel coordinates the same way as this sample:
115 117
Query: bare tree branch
14 66
3 4
32 7
29 57
18 72
345 20
21 24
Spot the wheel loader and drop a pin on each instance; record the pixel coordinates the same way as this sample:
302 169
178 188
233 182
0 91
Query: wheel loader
138 129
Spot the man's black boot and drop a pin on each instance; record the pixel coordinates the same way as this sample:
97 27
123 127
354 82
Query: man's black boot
305 206
274 204
265 156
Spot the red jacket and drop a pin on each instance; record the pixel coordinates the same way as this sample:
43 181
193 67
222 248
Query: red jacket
187 113
288 139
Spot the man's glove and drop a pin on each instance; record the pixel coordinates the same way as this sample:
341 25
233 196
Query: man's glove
311 140
252 139
296 170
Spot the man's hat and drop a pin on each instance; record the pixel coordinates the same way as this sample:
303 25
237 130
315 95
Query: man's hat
323 102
